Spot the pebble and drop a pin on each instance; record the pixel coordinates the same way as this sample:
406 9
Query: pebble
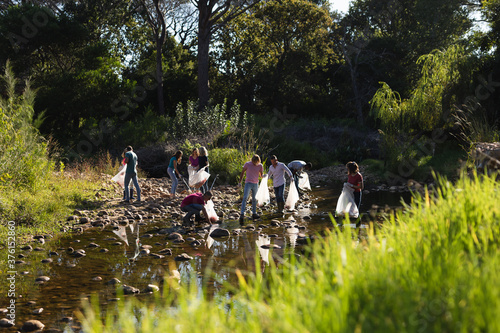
37 311
270 246
167 252
151 288
113 281
183 257
42 279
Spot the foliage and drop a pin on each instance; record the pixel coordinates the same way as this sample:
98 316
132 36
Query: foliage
403 121
147 128
275 55
433 268
24 161
213 120
227 163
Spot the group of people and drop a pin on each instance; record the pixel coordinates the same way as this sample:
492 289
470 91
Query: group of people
198 160
194 204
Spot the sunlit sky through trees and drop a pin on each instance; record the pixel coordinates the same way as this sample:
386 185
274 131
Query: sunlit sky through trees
340 5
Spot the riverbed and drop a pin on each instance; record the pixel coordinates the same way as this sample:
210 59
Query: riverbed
136 254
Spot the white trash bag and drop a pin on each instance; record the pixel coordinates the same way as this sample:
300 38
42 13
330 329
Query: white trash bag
120 176
304 182
346 204
199 178
212 215
191 171
292 197
262 195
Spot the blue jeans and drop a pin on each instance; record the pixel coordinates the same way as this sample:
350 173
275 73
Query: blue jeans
175 181
128 177
280 193
249 187
192 209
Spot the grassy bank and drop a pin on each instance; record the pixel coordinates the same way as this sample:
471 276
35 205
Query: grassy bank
434 268
40 212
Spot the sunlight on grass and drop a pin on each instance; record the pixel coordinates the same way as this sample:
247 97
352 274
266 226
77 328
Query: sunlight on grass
434 268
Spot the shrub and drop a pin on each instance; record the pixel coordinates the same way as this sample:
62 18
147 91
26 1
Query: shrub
24 158
227 163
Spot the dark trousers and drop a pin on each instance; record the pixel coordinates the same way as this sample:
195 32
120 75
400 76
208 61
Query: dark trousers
357 199
280 193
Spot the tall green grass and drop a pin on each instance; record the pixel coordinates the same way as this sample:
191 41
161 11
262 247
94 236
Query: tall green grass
433 268
24 158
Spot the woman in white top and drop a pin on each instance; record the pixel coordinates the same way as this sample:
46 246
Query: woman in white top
277 171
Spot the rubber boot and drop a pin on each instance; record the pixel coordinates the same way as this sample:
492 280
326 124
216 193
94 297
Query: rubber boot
281 206
131 193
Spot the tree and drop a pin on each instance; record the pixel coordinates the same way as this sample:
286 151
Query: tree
74 71
154 11
275 56
382 41
404 121
212 16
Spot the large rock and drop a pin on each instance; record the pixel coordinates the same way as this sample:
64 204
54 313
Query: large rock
32 325
5 323
219 232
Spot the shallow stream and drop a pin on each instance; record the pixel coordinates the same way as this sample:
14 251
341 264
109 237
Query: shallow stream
73 278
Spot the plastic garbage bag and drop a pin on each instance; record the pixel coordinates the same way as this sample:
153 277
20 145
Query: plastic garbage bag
346 204
304 181
199 178
292 197
262 195
212 215
191 171
120 176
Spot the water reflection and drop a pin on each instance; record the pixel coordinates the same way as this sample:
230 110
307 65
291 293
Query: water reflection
215 260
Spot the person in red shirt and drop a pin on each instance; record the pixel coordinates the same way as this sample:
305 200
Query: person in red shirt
355 179
194 204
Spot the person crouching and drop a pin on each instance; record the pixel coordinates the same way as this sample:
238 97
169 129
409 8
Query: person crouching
194 204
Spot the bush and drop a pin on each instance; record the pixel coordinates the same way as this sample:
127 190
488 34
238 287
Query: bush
24 161
227 163
188 121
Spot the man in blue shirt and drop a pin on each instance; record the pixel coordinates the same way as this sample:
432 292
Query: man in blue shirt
131 173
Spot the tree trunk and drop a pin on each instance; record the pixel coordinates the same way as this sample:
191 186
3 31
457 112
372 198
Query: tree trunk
204 35
159 78
357 97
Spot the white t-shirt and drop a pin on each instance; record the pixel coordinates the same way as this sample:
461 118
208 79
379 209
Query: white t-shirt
278 173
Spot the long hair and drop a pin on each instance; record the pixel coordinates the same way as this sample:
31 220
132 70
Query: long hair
178 154
203 151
